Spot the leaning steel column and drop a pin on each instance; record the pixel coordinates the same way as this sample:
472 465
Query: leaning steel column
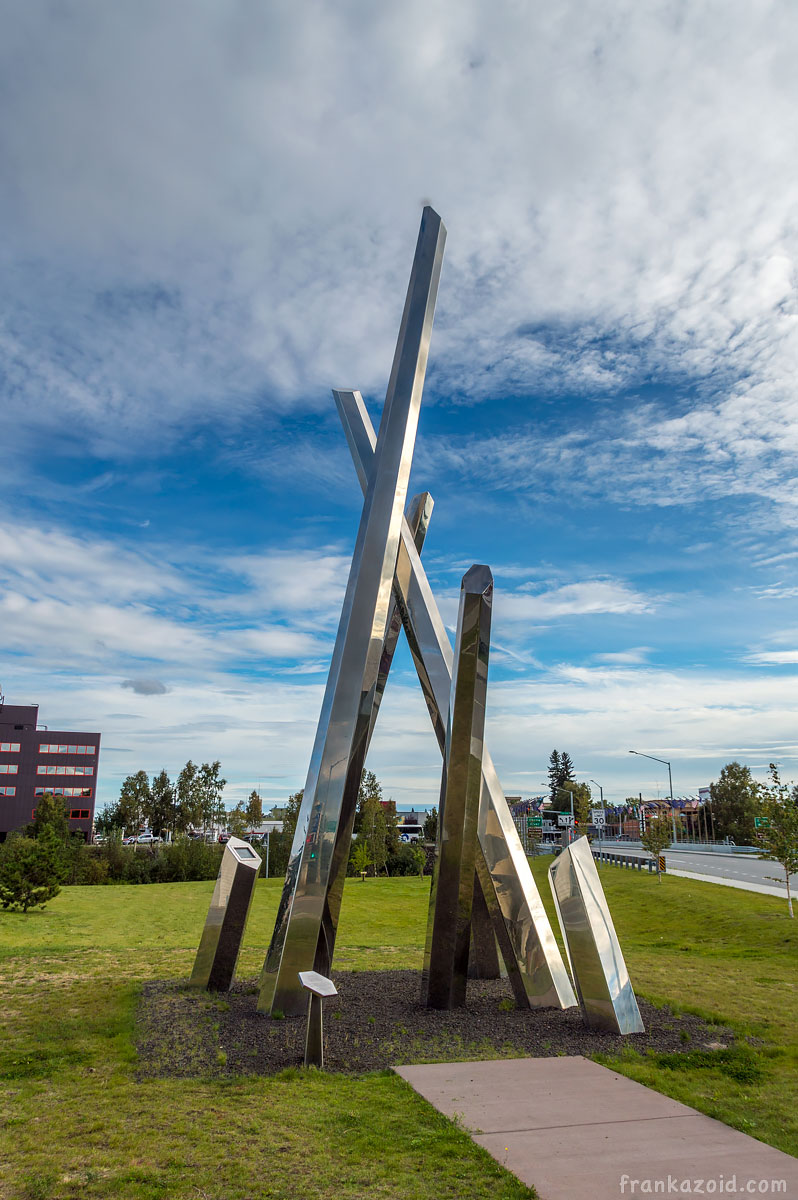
606 996
451 897
534 964
418 516
343 727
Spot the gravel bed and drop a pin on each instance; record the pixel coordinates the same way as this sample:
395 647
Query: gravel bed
377 1021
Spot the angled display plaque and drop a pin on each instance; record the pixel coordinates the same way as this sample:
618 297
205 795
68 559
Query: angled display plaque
215 964
602 981
324 823
534 964
446 954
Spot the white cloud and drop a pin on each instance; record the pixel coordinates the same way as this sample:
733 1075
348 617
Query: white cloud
618 189
773 657
587 597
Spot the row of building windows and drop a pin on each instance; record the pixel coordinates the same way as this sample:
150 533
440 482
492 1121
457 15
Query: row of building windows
74 814
63 791
67 770
8 791
9 747
8 769
55 748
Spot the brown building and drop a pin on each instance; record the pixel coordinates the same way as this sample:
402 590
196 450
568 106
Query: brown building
35 760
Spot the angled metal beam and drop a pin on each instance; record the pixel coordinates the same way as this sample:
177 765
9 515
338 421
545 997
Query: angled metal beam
417 520
534 963
340 745
445 973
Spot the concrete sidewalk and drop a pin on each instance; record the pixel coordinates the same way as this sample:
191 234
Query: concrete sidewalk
571 1129
763 888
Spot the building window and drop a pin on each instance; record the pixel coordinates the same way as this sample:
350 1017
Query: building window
8 791
79 814
9 747
8 769
63 769
63 748
83 792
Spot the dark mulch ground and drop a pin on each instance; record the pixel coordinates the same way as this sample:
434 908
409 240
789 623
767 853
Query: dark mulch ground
375 1021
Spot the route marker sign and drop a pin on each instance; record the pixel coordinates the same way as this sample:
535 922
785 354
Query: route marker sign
565 820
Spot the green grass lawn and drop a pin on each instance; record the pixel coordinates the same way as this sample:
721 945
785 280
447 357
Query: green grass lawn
77 1122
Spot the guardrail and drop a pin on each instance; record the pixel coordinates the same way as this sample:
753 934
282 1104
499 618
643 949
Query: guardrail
632 861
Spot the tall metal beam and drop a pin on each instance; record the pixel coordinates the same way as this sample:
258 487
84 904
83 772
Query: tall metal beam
340 744
445 973
534 964
417 521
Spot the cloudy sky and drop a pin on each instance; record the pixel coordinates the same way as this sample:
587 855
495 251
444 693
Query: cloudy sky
208 214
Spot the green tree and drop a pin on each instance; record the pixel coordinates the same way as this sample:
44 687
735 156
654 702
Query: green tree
657 837
50 814
237 821
372 822
210 786
108 820
360 857
280 844
189 800
582 806
135 801
31 869
567 769
162 809
779 838
735 801
555 774
429 830
254 810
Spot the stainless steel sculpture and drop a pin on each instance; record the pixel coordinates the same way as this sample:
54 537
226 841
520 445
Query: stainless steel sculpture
215 964
597 964
445 973
534 964
326 816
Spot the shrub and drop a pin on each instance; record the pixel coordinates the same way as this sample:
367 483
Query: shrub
31 870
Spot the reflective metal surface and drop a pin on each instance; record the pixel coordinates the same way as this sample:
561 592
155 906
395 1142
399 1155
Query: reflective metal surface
445 973
534 964
215 964
324 825
597 964
417 520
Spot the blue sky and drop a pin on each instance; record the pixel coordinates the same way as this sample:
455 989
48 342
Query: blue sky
208 215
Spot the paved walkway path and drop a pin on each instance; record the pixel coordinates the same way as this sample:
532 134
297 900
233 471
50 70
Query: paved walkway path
764 888
573 1129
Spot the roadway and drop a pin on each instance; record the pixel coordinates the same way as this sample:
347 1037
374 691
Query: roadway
740 869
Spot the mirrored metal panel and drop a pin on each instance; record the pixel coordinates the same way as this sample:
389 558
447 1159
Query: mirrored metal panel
597 964
534 963
215 964
325 820
445 973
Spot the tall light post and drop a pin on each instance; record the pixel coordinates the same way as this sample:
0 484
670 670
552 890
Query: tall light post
601 791
654 758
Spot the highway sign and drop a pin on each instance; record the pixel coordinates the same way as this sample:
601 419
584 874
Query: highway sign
534 821
761 822
597 817
565 819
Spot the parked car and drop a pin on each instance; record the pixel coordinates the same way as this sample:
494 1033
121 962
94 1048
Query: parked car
129 840
224 837
147 839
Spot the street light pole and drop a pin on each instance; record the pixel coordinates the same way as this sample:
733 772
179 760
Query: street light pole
654 758
601 828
